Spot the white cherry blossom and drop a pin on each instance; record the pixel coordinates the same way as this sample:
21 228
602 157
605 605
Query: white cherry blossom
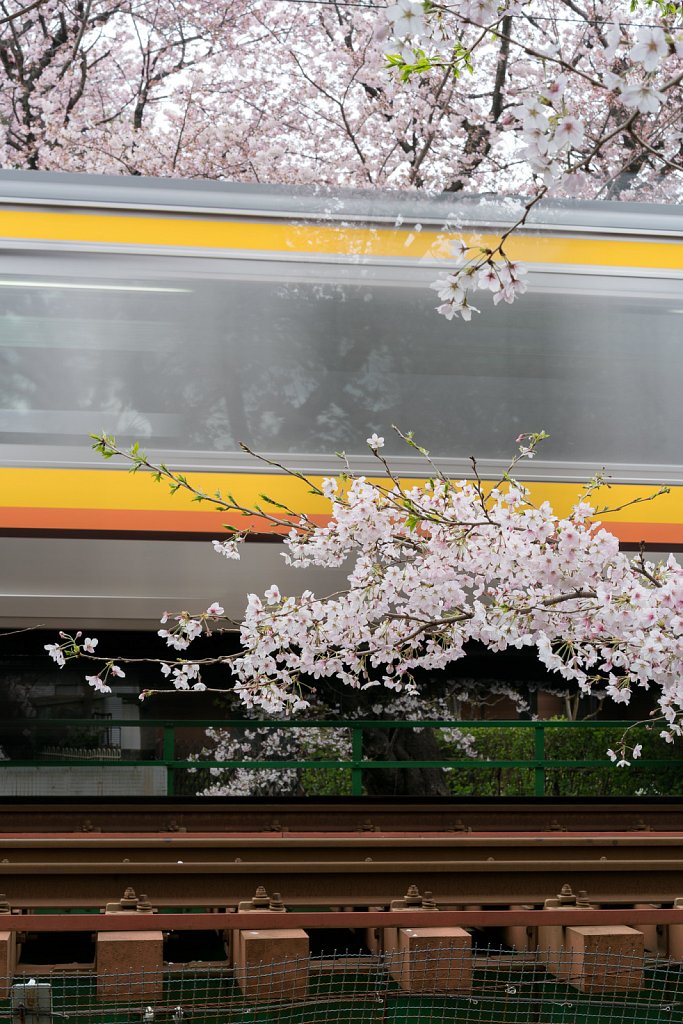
433 567
56 653
407 18
643 96
554 89
228 548
651 48
612 37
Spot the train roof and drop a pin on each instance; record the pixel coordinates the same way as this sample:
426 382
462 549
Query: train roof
225 198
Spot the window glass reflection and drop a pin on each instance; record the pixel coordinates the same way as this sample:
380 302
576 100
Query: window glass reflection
199 355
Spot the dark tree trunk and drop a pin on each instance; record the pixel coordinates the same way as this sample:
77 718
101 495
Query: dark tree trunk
403 745
392 745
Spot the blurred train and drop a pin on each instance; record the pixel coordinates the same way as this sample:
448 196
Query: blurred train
190 316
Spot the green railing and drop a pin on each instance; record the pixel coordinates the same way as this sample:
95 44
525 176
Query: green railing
165 747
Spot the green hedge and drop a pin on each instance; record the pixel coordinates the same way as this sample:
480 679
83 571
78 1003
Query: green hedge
511 744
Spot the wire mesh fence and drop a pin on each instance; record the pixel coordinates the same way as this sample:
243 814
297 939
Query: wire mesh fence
424 986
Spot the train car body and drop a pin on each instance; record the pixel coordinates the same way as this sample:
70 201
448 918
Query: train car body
192 316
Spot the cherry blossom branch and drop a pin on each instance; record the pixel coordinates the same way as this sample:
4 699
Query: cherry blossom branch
20 13
23 629
106 446
425 581
556 148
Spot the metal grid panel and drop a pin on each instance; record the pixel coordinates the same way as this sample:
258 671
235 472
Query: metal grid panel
606 988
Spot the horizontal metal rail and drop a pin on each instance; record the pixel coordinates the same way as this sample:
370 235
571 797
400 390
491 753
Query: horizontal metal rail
255 920
175 819
492 877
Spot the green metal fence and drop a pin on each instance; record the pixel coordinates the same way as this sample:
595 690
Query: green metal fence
539 762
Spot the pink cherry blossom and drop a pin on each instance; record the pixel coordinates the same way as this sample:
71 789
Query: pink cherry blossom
433 567
98 684
569 132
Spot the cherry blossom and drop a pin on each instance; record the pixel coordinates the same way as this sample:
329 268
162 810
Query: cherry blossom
98 684
407 18
432 567
643 96
228 548
569 132
257 743
57 654
651 48
174 90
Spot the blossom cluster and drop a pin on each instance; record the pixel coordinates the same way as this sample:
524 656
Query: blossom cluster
503 277
258 743
586 88
265 744
187 627
435 567
172 90
431 568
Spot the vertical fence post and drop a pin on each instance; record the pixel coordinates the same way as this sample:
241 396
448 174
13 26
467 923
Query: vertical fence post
168 754
356 759
539 756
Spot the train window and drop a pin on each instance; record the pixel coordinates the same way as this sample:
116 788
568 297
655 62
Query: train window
196 354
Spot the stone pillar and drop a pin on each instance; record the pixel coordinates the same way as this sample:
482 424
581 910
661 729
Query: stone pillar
272 963
433 960
676 934
652 934
130 966
8 950
260 903
374 936
520 936
605 958
8 960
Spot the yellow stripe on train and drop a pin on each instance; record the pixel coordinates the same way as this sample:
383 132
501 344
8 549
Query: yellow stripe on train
117 489
241 234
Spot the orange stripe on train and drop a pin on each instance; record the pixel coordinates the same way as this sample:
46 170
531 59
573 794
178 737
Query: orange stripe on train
105 520
69 520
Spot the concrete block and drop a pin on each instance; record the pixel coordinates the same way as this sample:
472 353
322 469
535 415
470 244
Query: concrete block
605 958
272 963
259 904
432 960
8 961
130 966
388 939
